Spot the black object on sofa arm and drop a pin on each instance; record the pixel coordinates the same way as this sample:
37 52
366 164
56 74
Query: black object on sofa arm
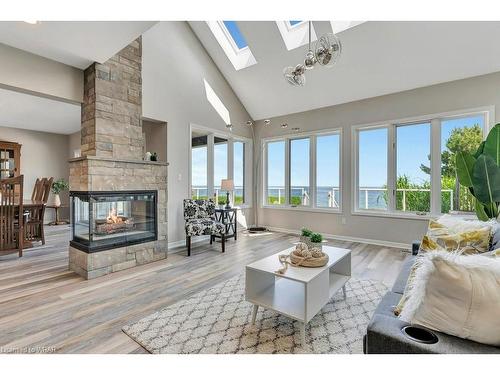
415 246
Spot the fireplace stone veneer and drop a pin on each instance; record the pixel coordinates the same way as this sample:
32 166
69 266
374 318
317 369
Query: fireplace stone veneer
97 174
112 147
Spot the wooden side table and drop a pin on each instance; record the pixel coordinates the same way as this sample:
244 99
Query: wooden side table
57 220
229 217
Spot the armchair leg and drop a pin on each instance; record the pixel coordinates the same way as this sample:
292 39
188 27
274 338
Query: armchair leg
188 244
223 239
211 239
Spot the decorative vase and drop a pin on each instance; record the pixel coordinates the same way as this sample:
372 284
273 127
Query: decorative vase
57 200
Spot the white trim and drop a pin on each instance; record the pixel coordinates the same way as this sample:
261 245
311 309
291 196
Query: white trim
397 245
436 122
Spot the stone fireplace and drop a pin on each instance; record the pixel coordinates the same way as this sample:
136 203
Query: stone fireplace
112 187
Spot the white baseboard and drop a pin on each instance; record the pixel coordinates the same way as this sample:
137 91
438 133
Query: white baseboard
397 245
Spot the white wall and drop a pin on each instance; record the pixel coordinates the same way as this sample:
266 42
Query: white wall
25 71
174 67
42 155
463 94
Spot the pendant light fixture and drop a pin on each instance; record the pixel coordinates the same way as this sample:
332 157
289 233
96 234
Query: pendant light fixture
326 53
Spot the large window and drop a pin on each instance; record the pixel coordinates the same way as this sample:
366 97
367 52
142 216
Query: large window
215 158
413 182
299 172
303 171
199 165
328 171
372 181
238 172
457 134
220 168
276 173
409 167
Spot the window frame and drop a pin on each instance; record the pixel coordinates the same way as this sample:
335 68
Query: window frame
312 136
488 112
248 162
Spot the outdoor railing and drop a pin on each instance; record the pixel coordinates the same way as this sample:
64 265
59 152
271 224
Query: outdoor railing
276 195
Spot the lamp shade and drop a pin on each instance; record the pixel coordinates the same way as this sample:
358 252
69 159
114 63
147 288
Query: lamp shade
227 185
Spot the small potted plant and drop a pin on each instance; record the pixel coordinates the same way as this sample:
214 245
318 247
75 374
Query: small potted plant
305 236
316 241
57 187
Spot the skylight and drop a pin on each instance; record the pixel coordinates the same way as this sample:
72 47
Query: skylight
236 34
295 33
232 41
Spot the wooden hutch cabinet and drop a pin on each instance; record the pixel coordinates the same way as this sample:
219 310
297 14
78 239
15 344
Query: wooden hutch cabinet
10 159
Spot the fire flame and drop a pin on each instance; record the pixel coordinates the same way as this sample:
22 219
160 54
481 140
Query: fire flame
113 218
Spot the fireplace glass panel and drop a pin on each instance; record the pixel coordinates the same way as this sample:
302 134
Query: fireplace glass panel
104 220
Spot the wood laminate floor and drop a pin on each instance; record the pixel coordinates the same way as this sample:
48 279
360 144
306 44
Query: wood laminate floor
44 306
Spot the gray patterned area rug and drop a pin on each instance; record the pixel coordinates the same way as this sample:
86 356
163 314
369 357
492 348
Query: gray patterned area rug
218 321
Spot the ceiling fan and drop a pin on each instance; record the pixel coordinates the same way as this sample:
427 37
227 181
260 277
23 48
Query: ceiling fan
326 53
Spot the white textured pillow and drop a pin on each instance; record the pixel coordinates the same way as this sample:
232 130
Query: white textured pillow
458 295
461 224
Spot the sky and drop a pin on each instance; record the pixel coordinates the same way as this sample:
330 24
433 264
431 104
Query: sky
413 148
199 167
235 32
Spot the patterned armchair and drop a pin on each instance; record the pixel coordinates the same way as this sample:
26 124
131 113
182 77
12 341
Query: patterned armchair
199 216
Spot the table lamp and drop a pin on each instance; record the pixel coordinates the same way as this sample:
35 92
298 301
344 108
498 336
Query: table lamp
228 186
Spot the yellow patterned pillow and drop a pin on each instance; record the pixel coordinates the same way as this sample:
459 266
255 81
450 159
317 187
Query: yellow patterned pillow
442 237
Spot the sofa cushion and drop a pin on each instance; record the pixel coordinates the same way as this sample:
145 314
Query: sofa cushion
456 294
400 283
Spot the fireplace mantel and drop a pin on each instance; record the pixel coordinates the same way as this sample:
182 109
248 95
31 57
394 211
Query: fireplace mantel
90 157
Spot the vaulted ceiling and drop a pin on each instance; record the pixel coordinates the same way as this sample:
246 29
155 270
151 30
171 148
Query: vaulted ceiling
76 43
378 58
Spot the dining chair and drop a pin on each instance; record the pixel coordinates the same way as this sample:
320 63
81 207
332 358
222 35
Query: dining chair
37 189
34 230
11 215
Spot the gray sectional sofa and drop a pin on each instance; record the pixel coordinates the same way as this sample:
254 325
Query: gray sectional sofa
386 332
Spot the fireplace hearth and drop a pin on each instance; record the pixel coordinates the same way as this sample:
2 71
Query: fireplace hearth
105 220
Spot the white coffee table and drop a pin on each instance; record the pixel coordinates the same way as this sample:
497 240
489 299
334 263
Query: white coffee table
301 292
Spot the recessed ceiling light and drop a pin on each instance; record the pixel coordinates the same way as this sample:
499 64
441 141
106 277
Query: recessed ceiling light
229 126
295 129
31 22
249 123
267 122
284 126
